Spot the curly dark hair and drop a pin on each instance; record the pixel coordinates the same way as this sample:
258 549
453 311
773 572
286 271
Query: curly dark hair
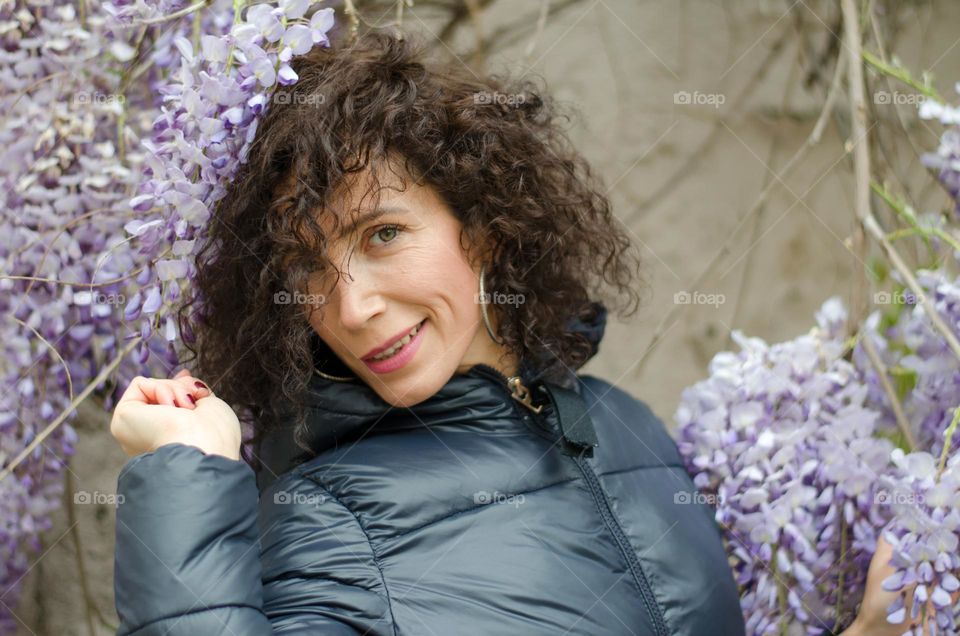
493 148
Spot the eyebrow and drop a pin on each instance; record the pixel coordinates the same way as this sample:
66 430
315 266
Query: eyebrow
369 216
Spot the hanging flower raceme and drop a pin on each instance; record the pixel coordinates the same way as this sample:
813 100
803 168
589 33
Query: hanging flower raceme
781 436
122 124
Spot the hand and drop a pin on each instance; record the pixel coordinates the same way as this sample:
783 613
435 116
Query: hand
156 411
872 617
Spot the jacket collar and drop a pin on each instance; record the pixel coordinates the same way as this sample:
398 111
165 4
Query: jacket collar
340 413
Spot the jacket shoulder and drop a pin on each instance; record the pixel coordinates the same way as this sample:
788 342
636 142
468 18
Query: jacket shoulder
628 431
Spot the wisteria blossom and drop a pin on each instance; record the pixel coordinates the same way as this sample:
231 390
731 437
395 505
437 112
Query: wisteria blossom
122 123
783 438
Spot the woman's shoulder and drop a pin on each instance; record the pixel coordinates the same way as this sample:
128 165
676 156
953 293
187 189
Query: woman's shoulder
628 431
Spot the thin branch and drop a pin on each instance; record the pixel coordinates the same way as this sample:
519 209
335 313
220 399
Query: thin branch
87 390
726 248
861 160
902 423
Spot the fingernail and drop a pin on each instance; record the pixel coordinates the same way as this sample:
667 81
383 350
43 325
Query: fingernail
192 401
201 385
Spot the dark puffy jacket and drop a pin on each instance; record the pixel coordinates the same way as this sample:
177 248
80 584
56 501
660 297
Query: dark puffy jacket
465 514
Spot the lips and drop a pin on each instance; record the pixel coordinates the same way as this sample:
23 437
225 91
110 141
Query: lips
394 342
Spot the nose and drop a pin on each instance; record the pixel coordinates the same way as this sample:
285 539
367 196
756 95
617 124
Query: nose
359 298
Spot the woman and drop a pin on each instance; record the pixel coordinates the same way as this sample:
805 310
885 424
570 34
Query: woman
399 290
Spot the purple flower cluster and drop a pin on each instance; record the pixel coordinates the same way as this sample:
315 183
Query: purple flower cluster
925 535
946 159
121 125
923 493
782 437
209 116
61 178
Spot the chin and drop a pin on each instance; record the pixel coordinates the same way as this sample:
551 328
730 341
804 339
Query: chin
408 391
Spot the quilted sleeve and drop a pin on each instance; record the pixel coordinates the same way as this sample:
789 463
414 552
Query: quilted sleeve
195 554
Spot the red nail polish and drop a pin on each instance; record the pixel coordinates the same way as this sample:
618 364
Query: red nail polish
192 401
201 385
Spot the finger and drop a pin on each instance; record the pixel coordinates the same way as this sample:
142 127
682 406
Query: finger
195 387
183 397
181 373
142 390
165 394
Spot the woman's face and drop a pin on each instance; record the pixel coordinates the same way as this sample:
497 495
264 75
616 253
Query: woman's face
403 272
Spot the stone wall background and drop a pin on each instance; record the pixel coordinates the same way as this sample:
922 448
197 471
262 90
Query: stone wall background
681 176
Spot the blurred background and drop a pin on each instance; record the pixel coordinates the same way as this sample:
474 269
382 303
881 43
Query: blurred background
700 116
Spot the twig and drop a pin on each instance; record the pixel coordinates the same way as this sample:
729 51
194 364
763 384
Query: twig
686 169
861 160
175 15
861 154
541 23
902 423
725 249
87 390
78 551
63 362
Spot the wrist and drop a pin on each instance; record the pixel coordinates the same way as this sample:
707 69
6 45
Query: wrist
855 629
207 446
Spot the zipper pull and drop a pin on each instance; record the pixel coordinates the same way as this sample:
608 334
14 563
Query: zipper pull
521 393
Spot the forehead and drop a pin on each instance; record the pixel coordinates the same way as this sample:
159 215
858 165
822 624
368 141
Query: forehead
383 187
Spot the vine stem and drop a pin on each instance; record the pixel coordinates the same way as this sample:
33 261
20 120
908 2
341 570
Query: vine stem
861 161
948 440
881 369
175 15
87 390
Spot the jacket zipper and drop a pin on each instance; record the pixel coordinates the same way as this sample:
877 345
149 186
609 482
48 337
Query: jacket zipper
520 393
606 511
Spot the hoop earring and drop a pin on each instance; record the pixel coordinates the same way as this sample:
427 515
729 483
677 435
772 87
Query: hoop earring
335 378
483 309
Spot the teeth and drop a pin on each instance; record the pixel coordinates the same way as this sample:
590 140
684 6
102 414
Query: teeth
399 345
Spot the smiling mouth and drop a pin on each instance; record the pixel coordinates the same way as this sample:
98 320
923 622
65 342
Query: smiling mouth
399 344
